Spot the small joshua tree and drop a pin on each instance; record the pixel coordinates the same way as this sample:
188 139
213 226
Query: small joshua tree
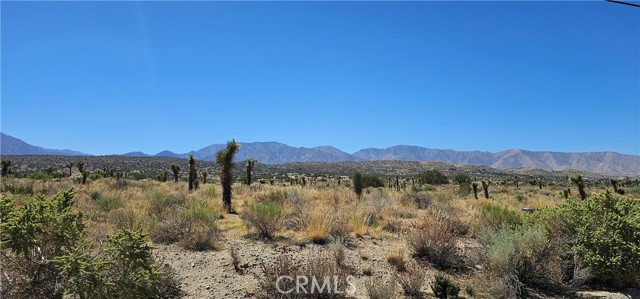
224 159
540 184
6 166
580 184
474 185
485 187
357 183
614 185
70 166
516 182
176 170
250 163
80 164
193 175
204 177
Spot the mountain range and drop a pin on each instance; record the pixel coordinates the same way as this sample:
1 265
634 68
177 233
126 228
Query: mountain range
609 163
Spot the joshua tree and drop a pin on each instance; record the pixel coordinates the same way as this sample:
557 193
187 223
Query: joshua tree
485 187
339 179
565 193
516 182
389 183
357 183
204 177
85 175
224 159
540 184
474 185
176 170
6 166
580 184
49 170
193 175
70 166
614 184
80 164
249 166
397 183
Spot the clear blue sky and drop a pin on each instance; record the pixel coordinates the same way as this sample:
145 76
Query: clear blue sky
113 77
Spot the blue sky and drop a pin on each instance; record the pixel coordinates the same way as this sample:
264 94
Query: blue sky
113 77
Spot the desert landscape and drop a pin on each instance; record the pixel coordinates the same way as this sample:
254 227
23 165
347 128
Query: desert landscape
422 230
320 149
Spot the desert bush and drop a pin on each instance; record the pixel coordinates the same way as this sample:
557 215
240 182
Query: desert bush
318 225
603 231
433 177
125 219
201 231
371 181
462 179
443 288
264 217
392 226
397 261
421 199
26 189
325 276
412 281
519 257
170 229
47 255
162 203
495 216
278 196
435 243
106 203
377 288
39 176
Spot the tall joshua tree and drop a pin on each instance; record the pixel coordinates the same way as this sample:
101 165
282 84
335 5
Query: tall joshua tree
250 163
6 166
357 183
224 159
485 187
176 170
580 184
516 182
193 175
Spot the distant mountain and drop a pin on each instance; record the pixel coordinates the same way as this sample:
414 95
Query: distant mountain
272 153
14 146
135 154
609 163
598 162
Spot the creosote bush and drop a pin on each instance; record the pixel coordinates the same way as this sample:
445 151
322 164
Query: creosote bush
436 243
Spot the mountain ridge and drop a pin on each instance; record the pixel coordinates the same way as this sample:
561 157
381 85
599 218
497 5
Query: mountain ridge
608 162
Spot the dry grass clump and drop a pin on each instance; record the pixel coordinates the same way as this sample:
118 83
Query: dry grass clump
323 272
412 281
397 261
318 225
435 242
264 217
378 288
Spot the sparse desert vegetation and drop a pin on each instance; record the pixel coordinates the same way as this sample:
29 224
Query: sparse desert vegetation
423 235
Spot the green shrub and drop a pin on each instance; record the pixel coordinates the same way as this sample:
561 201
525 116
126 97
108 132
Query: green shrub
371 181
201 231
604 231
433 177
39 176
162 203
47 255
519 257
495 216
462 179
264 217
443 288
95 176
26 189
